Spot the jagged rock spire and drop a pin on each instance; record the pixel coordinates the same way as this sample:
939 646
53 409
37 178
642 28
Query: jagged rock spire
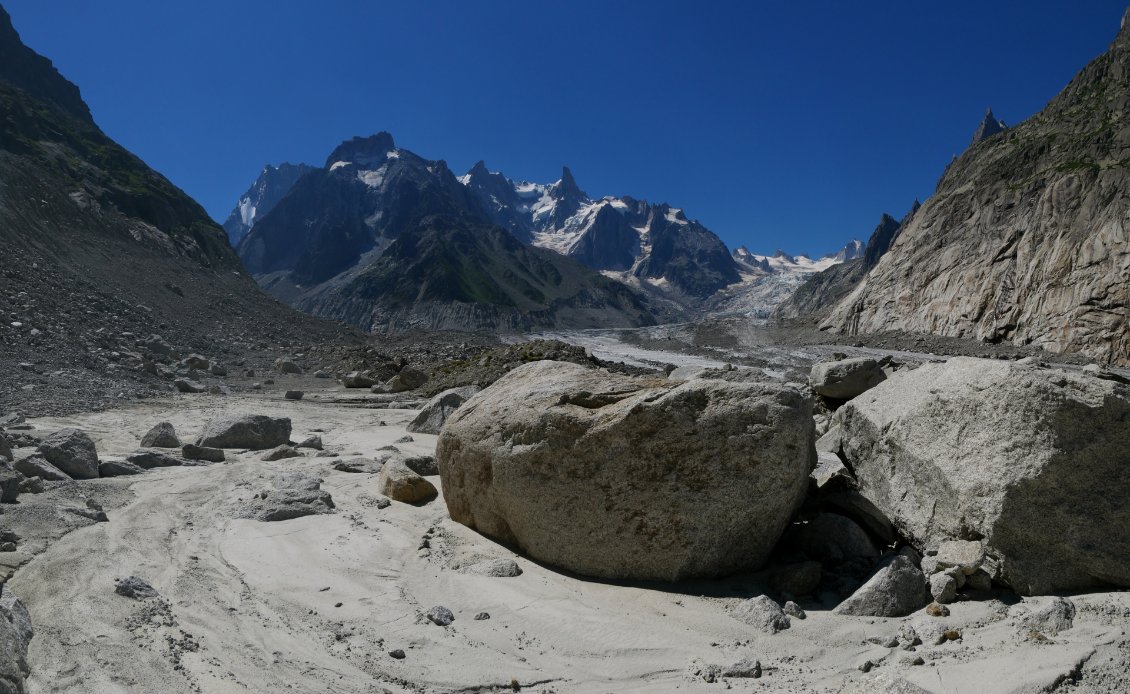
989 126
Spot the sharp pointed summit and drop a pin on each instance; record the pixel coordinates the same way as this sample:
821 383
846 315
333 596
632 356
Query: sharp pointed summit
990 125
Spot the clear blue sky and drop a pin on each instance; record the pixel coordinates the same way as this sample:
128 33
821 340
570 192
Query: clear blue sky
776 124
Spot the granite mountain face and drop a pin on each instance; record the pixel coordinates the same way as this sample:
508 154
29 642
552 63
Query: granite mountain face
273 183
385 240
655 244
821 290
1026 239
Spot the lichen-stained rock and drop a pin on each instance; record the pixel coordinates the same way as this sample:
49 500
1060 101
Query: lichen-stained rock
621 477
1032 461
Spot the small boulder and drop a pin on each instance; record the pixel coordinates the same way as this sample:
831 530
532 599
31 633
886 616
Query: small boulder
1058 615
11 484
162 435
407 379
293 395
432 417
359 465
293 496
287 366
895 590
398 482
5 447
313 442
763 613
73 452
440 616
280 452
357 379
794 610
943 587
257 432
37 466
847 378
153 458
209 455
118 468
830 470
187 385
495 568
134 587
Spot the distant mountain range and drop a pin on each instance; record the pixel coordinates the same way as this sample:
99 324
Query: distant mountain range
384 239
311 234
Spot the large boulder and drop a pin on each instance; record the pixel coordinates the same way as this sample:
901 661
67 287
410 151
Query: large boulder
629 478
846 378
407 379
1033 462
37 466
439 408
256 431
73 452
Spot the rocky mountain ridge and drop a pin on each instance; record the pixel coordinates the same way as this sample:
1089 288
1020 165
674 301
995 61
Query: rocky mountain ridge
1025 239
653 243
384 239
272 184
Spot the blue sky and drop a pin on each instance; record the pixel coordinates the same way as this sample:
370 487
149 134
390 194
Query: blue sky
776 124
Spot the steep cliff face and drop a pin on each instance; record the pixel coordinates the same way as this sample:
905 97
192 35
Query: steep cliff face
1027 238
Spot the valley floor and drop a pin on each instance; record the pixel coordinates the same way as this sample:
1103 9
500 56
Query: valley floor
315 604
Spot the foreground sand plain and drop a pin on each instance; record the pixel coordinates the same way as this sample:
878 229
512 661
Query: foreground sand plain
315 604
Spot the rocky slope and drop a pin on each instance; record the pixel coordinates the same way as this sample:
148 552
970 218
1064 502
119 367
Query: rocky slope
1025 240
98 251
655 244
273 183
823 289
385 240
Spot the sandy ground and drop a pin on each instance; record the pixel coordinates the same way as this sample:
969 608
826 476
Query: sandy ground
314 604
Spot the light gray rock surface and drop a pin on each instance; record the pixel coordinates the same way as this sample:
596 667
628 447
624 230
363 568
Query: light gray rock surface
895 590
162 435
762 613
15 636
153 458
846 378
37 466
257 432
439 408
399 483
73 452
1056 616
1032 460
496 568
650 478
